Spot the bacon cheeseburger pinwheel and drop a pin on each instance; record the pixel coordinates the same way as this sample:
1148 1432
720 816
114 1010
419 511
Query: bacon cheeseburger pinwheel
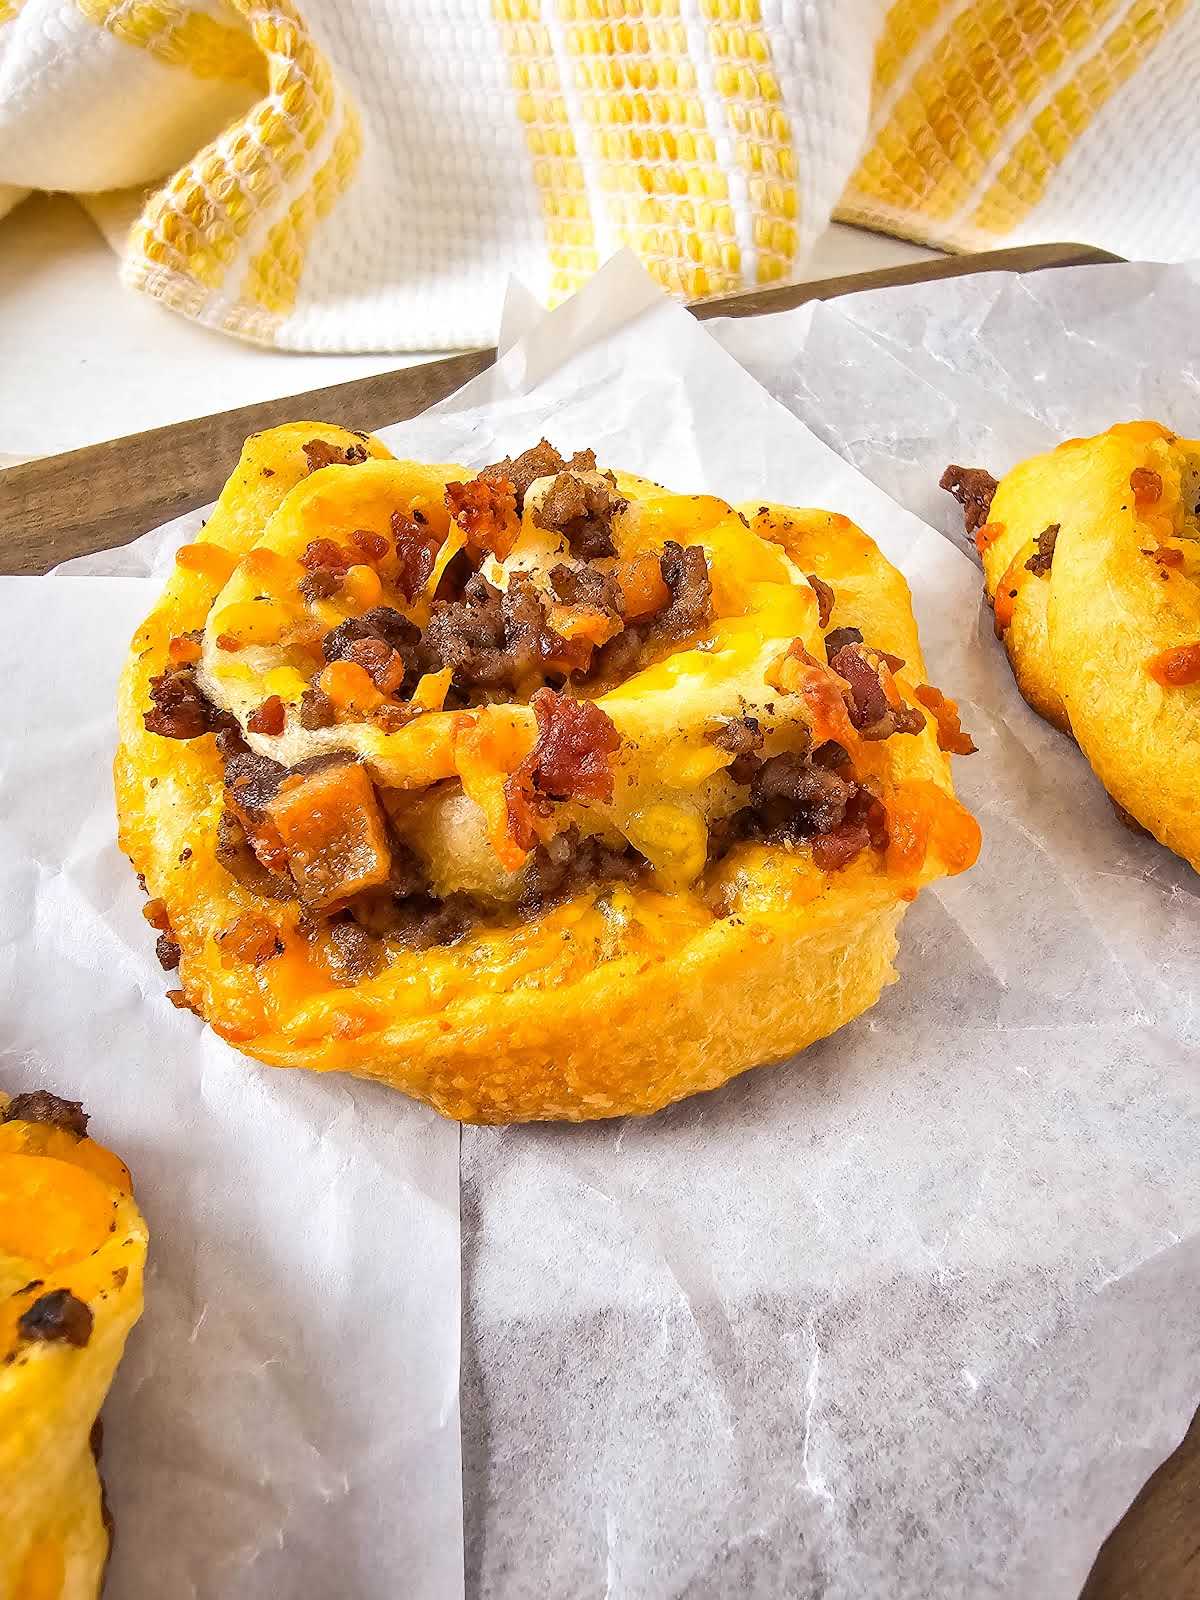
72 1250
538 793
1091 558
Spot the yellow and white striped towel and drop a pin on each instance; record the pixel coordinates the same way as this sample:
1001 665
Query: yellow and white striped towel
364 174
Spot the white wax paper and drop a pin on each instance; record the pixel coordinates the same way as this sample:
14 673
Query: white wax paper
916 1314
285 1421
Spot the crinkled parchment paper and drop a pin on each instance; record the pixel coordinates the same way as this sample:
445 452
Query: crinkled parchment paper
285 1422
915 1314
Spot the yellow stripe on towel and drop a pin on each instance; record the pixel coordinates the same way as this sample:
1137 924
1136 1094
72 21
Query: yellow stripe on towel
1023 180
182 37
557 170
761 130
656 158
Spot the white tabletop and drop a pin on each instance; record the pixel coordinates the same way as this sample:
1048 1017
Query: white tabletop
82 358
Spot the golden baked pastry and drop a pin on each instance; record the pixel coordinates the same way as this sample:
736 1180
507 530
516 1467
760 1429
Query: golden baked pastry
1091 557
72 1249
531 792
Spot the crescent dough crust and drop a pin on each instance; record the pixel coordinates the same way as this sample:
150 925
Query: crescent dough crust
1120 589
68 1222
607 1003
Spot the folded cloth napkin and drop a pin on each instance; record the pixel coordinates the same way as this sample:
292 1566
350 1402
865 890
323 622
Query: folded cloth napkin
364 174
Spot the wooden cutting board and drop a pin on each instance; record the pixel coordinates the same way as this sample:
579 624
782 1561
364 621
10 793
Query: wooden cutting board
109 493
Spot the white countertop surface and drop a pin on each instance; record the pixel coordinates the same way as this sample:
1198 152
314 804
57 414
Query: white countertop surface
82 358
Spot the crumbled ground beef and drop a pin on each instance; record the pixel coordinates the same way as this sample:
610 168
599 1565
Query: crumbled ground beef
587 588
497 641
252 782
414 921
317 710
742 737
1039 563
973 488
181 710
582 510
794 798
383 622
689 610
39 1105
57 1318
807 797
168 952
570 862
354 954
542 460
385 667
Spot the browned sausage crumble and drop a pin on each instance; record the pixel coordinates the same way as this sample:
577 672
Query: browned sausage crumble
39 1105
1039 563
974 489
57 1318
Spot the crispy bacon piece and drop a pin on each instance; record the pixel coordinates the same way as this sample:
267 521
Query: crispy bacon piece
575 740
875 713
950 734
1147 487
417 547
570 761
320 453
1177 667
326 565
486 510
371 547
269 718
1167 556
326 553
973 488
837 849
1039 563
826 599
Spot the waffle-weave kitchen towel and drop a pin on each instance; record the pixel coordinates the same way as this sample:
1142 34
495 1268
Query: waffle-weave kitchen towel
364 174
